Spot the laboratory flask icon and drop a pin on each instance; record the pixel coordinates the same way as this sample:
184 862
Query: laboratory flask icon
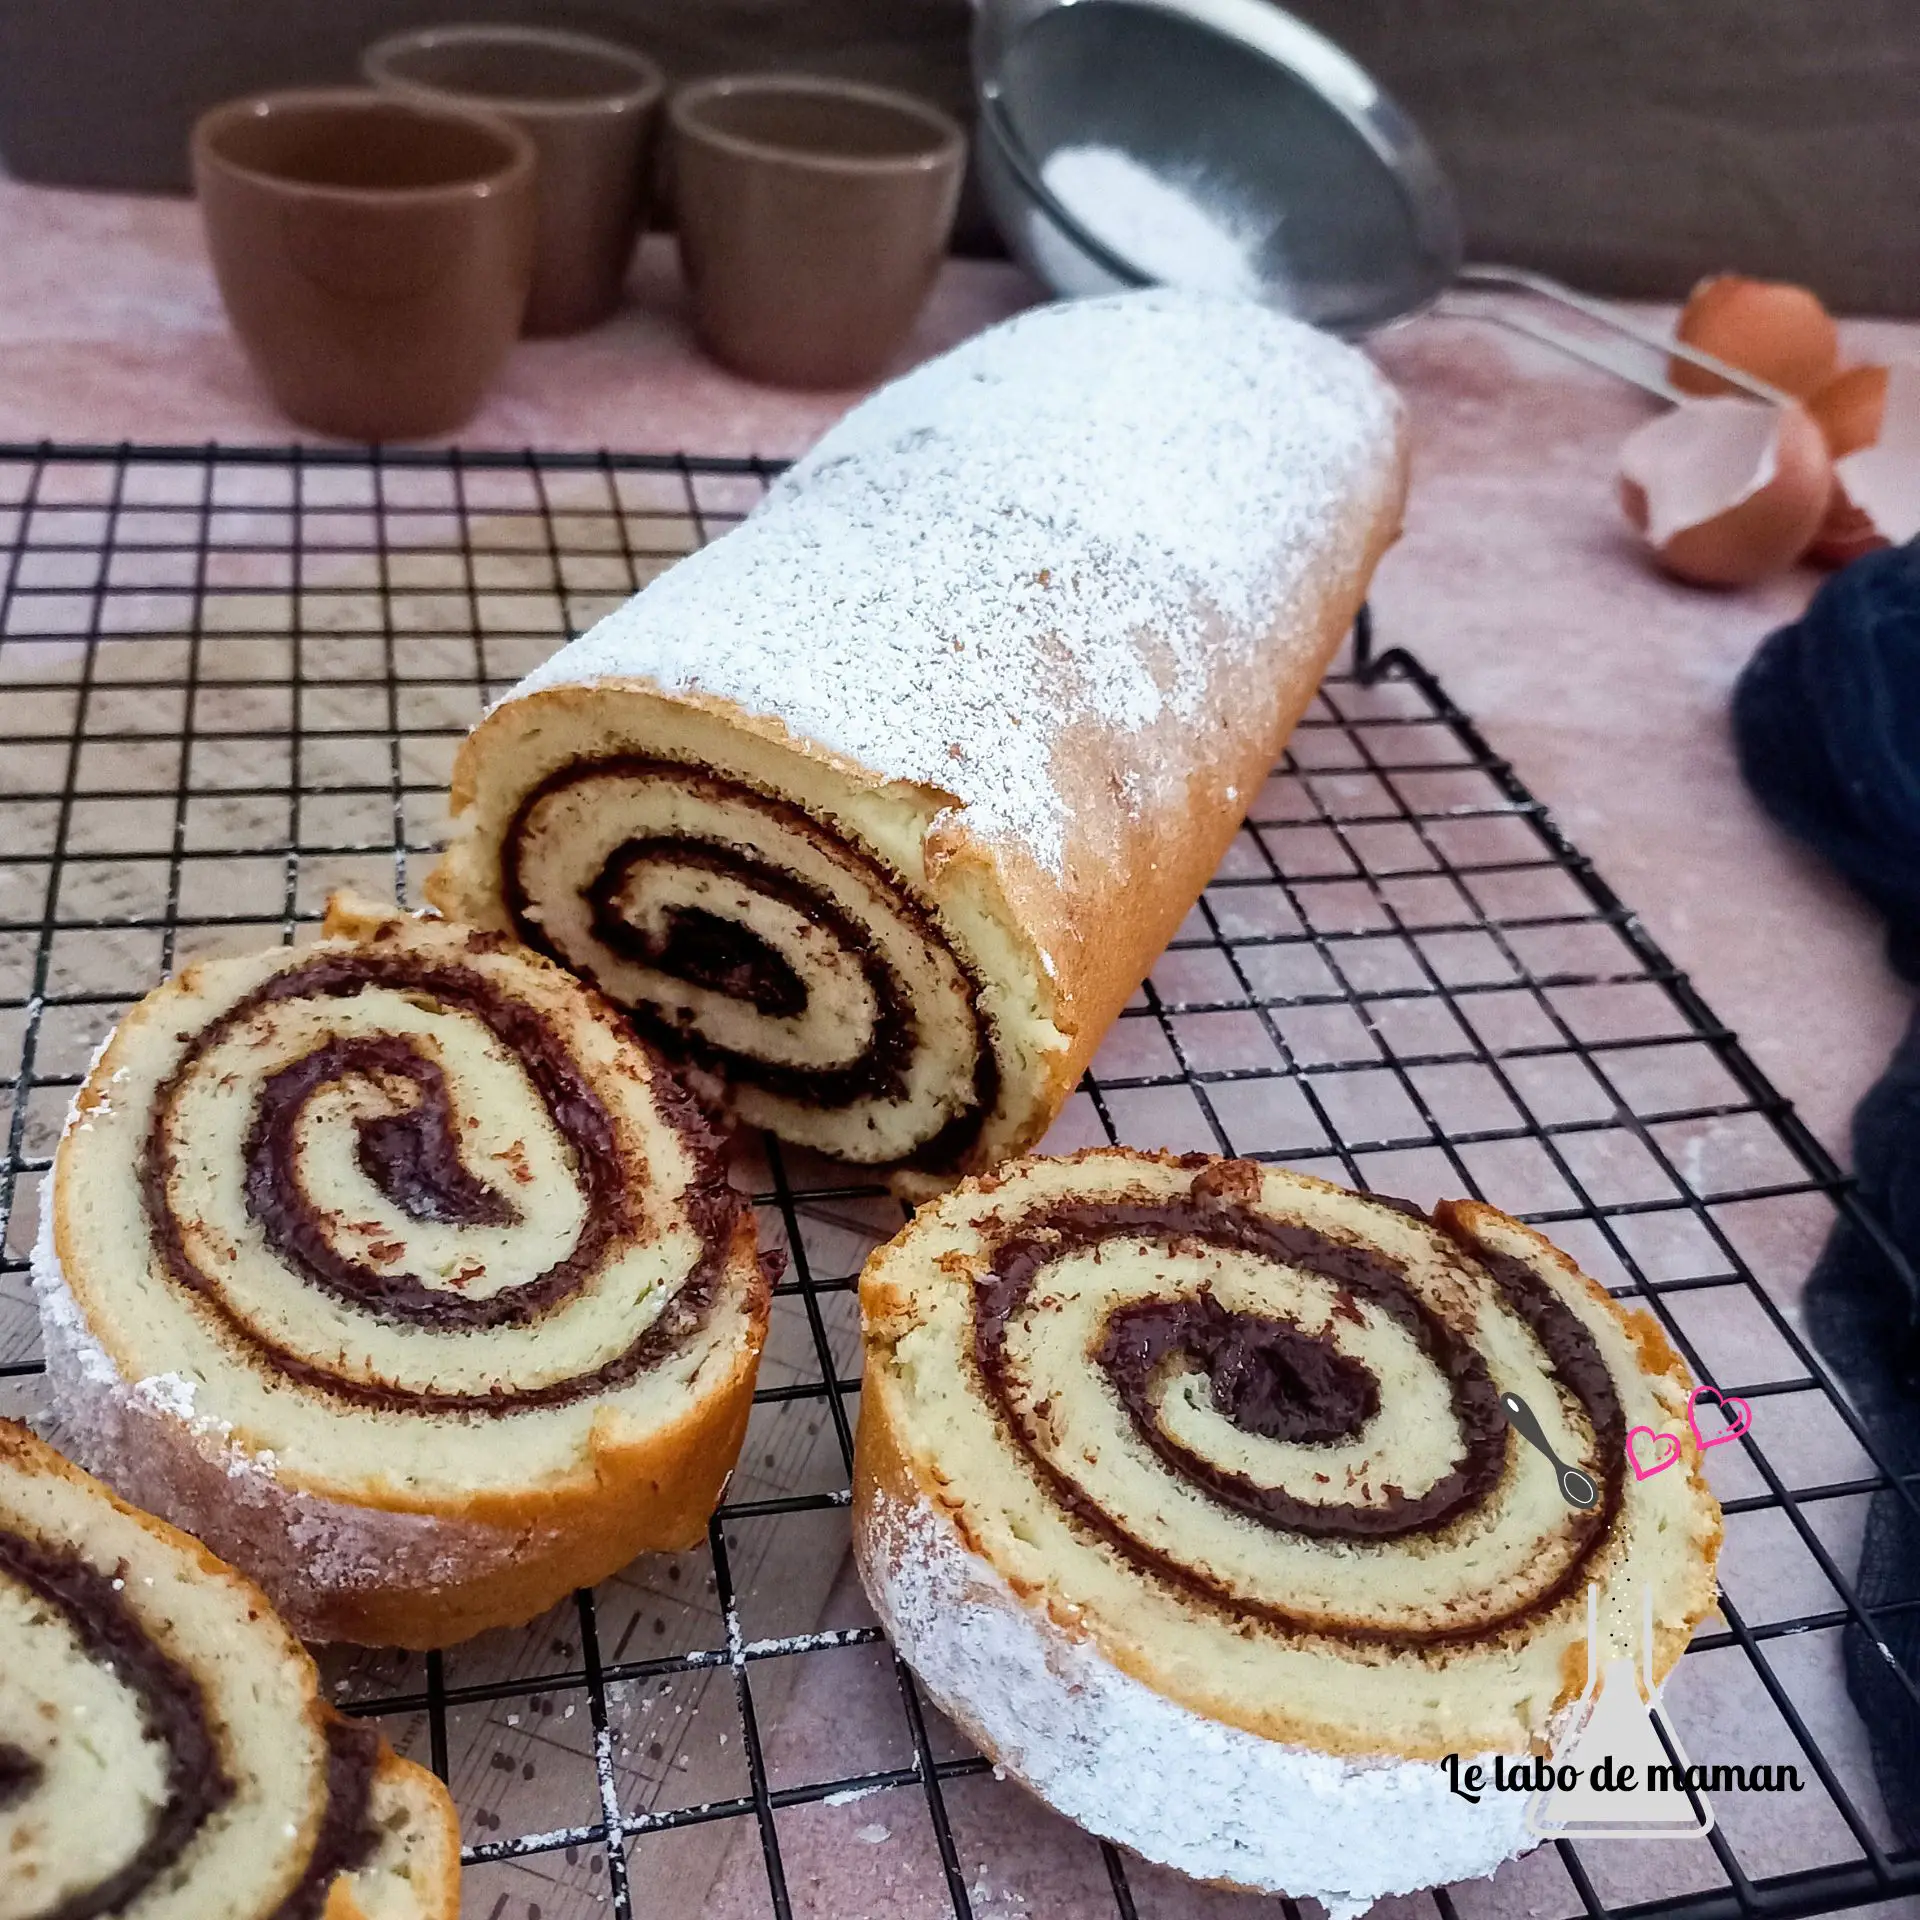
1629 1780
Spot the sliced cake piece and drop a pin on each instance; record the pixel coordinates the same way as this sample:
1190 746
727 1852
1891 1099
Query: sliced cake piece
400 1272
164 1752
1185 1486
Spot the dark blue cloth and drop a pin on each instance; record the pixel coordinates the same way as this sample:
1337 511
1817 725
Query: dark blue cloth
1861 1316
1827 721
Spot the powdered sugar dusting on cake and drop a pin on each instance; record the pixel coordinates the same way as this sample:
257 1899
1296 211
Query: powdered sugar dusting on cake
1144 481
101 1107
61 1325
170 1393
1136 1767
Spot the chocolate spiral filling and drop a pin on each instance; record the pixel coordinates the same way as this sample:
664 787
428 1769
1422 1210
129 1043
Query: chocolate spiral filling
413 1157
20 1774
171 1706
707 950
1270 1378
346 1839
1263 1375
714 950
416 1152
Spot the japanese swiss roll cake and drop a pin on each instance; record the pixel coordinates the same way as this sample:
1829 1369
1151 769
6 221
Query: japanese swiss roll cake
164 1751
879 807
1185 1487
397 1270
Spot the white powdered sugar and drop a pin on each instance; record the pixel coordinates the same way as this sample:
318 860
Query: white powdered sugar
1126 1762
1180 230
72 1350
102 1107
170 1393
1070 520
62 1329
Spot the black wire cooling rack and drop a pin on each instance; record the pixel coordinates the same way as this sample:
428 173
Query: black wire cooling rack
232 679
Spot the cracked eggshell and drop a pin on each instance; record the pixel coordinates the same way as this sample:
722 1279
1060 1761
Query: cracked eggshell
1727 491
1777 332
1871 419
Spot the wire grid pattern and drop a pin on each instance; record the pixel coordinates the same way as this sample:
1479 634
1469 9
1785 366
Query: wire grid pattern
231 679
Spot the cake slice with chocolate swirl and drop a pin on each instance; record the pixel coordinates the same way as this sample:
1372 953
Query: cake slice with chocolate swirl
164 1751
399 1271
1185 1486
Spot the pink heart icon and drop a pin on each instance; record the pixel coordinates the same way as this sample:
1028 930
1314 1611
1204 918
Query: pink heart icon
1662 1461
1737 1423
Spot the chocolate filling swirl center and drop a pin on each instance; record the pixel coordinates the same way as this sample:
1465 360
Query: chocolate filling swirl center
704 948
1277 1381
724 955
415 1161
1265 1376
20 1774
412 1156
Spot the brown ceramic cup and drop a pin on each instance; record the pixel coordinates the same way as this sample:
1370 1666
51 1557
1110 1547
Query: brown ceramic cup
813 216
589 108
374 253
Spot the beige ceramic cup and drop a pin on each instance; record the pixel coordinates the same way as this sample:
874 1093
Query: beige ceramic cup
374 253
589 106
813 216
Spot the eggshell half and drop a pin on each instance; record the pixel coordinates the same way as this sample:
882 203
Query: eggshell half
1871 418
1848 408
1775 331
1727 491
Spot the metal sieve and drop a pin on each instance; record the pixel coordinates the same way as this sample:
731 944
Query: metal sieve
1346 217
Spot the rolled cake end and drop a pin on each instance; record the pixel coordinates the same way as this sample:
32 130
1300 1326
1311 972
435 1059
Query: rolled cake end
167 1748
882 804
826 942
1185 1486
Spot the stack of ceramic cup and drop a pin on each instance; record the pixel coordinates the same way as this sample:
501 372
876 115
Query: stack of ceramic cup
379 249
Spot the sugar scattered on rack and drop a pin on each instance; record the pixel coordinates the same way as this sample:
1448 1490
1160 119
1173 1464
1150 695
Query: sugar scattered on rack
848 1795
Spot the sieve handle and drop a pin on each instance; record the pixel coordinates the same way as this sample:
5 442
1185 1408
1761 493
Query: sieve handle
1524 280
